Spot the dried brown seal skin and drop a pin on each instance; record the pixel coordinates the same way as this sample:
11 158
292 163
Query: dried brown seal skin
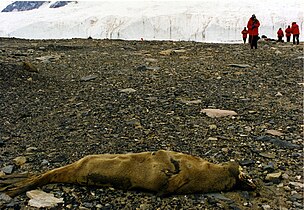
163 172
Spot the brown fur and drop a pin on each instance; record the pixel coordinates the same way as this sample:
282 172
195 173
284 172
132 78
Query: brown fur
164 172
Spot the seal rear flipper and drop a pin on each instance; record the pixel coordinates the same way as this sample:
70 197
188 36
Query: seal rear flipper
14 188
10 181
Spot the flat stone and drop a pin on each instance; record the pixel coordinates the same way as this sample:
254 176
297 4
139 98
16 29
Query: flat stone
144 68
215 113
153 60
31 149
88 78
191 102
274 132
267 155
218 196
127 90
42 199
48 58
239 65
273 176
167 52
297 184
212 139
180 51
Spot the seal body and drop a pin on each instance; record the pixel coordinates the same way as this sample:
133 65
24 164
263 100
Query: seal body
163 172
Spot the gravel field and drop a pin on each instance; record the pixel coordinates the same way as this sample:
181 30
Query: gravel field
61 100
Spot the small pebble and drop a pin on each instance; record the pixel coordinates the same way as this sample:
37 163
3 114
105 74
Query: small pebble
266 207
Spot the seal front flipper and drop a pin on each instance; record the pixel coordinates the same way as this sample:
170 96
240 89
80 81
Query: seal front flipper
176 179
176 183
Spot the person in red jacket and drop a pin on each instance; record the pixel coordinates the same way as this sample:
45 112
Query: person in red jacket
288 33
253 30
295 32
244 32
280 35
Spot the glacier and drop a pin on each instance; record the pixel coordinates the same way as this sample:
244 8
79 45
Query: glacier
214 21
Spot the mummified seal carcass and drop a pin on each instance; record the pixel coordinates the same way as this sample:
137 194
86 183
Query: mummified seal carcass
163 172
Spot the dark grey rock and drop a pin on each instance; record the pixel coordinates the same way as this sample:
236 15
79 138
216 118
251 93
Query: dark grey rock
278 142
219 196
88 205
246 162
269 167
8 169
23 6
234 207
45 162
297 204
58 4
296 196
296 155
4 198
145 68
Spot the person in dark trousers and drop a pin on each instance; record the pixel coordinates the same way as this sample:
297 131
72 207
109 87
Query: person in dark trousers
295 32
253 30
280 35
288 33
244 32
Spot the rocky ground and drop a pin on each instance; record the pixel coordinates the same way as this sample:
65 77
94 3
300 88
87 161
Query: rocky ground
63 99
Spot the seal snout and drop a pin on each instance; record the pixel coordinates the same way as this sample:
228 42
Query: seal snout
245 181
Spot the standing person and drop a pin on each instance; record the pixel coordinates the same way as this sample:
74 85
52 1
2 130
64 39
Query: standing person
244 32
253 30
295 32
280 35
288 33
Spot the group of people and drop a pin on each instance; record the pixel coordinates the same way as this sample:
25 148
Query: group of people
253 32
294 30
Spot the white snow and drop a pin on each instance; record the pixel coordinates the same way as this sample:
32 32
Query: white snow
204 20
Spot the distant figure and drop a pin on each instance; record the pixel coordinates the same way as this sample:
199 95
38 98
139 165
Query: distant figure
295 32
288 33
280 35
244 32
253 30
